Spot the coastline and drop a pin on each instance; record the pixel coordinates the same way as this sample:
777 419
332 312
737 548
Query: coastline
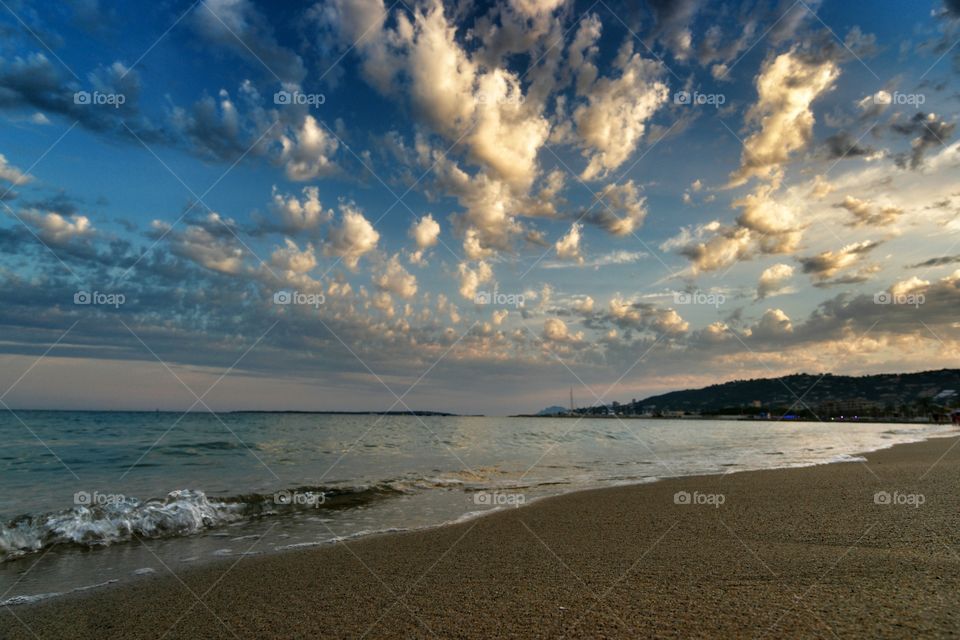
803 551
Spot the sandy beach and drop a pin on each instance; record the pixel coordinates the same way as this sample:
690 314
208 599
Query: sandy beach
790 553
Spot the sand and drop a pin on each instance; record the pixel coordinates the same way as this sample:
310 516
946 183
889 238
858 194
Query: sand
790 553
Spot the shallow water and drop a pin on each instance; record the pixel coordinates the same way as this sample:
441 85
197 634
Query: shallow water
93 497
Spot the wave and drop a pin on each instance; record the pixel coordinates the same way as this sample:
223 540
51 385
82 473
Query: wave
102 520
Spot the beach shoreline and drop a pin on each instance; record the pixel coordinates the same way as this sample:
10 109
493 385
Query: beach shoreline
804 551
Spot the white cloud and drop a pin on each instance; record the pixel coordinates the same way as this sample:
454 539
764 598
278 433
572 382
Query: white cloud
397 280
425 233
12 174
568 247
614 119
787 86
307 152
300 215
772 278
471 279
291 258
353 238
57 229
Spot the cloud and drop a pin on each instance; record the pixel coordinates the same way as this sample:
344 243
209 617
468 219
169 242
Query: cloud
425 233
206 242
237 26
608 259
353 238
56 229
568 247
471 279
844 145
619 209
614 119
307 151
772 279
629 315
396 280
929 131
673 18
936 262
866 213
825 265
787 86
712 245
298 214
772 325
556 330
291 258
12 174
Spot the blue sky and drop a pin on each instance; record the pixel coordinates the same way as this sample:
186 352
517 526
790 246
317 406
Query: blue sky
480 200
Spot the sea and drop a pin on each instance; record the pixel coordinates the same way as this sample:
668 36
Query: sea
91 499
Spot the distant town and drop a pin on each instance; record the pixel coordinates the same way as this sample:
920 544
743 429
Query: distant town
928 396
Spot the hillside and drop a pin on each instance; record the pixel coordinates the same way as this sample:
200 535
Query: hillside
902 394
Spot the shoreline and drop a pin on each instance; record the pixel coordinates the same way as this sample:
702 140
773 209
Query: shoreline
532 570
122 581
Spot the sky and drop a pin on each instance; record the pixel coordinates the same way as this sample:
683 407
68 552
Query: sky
470 207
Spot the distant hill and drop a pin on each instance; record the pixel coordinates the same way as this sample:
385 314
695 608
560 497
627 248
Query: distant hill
551 411
891 394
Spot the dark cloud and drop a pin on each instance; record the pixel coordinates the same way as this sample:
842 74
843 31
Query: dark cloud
935 262
929 133
673 18
843 145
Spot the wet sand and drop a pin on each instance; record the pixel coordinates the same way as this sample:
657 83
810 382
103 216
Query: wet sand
789 553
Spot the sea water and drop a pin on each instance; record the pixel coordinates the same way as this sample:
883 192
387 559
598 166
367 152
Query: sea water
94 498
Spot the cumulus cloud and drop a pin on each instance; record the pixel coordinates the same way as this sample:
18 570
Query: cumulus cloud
773 324
396 280
472 278
630 315
568 247
619 209
866 213
291 258
556 330
352 238
614 119
299 214
787 86
12 174
827 264
307 151
772 279
56 229
207 243
425 233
